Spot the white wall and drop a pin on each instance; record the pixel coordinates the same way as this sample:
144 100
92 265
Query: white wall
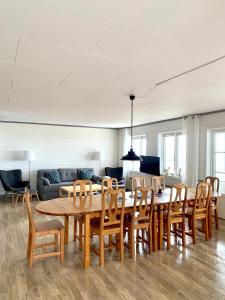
56 146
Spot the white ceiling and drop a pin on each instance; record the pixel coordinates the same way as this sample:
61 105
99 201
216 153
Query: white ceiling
76 62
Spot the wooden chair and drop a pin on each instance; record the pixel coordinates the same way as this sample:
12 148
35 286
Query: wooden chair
199 211
137 182
36 230
82 192
110 183
175 213
215 184
158 183
111 223
141 219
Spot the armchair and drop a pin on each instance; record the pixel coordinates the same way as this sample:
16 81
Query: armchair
12 181
116 173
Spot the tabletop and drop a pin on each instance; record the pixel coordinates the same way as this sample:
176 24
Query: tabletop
66 207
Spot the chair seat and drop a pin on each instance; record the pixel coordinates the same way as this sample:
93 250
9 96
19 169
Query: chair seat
52 225
95 228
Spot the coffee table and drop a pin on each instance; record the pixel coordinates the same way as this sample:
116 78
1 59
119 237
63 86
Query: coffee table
69 189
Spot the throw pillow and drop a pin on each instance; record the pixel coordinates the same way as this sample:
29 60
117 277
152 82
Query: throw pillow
86 174
53 176
45 180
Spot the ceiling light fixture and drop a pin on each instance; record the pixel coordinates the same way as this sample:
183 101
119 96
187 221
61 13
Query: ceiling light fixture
131 154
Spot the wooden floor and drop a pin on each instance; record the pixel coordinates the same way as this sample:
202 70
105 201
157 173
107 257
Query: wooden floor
196 272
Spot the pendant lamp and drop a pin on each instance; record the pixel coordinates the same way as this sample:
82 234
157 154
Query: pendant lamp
131 154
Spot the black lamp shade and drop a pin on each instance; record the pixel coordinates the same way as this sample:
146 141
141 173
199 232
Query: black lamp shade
131 155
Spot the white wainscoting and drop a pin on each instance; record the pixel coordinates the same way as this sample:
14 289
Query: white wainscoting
56 147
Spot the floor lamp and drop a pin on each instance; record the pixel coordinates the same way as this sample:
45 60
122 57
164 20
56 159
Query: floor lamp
29 156
100 157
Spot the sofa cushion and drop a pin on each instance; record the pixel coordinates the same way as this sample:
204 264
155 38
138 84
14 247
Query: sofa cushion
55 186
45 180
53 176
68 174
86 173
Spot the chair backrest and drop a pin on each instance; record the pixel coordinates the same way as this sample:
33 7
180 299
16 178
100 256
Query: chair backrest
114 172
137 182
178 199
113 203
29 211
110 183
82 190
158 183
214 182
202 194
143 205
10 178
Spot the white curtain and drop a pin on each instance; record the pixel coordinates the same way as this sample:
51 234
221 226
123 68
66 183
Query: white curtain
124 147
191 128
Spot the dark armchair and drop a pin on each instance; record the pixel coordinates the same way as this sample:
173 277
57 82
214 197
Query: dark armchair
12 181
116 173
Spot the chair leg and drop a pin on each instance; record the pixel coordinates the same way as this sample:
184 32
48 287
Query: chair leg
13 199
216 218
149 240
75 229
56 242
28 244
16 200
62 245
133 243
168 236
193 230
206 229
101 250
37 197
121 246
23 199
31 254
183 233
80 235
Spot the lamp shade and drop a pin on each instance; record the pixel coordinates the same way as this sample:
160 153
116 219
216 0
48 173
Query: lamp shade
29 155
99 156
131 155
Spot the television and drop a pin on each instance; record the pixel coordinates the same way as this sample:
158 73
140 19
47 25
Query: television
150 165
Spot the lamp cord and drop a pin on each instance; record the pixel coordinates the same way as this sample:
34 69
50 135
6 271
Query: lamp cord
131 127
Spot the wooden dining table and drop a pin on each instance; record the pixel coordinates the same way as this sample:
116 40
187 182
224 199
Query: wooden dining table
65 207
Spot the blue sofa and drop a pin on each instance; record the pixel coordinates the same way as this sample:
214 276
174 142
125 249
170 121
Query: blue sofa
50 180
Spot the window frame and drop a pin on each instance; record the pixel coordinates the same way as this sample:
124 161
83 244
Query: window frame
213 152
176 158
140 137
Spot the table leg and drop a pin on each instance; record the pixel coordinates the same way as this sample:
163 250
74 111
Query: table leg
66 239
87 237
60 193
210 219
155 244
160 228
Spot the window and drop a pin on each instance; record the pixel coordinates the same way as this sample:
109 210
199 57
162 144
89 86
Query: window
174 154
140 144
218 156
